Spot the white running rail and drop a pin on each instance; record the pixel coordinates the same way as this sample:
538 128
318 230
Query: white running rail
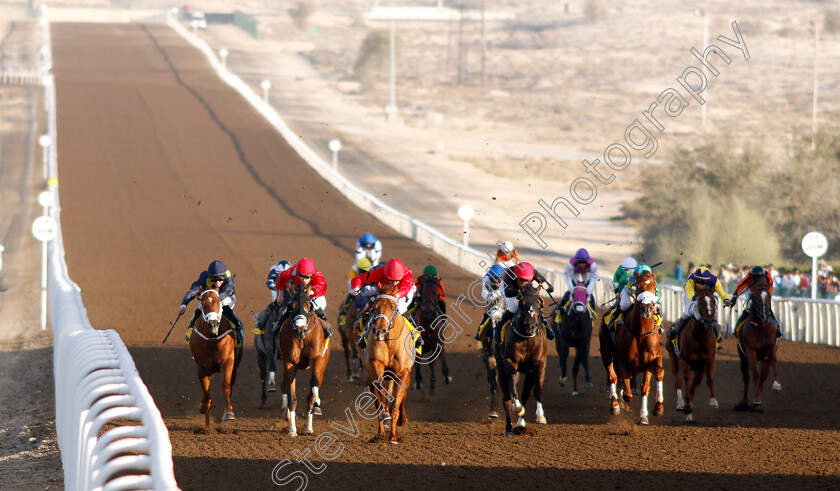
96 382
812 321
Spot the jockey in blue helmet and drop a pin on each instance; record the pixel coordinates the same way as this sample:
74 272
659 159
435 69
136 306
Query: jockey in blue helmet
369 246
490 291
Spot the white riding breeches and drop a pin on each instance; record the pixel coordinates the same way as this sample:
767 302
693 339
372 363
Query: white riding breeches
512 304
403 303
626 300
229 301
690 308
319 302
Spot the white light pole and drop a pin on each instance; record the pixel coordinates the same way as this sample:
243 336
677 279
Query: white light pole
391 110
335 146
44 141
466 212
815 245
45 229
265 85
223 54
701 13
814 107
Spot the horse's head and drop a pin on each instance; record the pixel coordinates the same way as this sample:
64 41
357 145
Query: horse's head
384 312
530 311
646 293
211 309
429 296
706 308
760 302
578 309
300 312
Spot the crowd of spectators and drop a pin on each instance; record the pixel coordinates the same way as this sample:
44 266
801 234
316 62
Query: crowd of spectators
787 282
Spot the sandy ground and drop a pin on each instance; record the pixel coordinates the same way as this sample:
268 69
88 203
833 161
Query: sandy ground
189 173
29 456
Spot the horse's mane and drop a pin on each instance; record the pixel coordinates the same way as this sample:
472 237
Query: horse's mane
389 289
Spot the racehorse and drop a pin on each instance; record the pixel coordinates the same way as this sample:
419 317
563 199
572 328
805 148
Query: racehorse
697 348
575 330
757 343
304 347
425 320
637 347
214 351
266 343
495 309
524 349
389 355
349 337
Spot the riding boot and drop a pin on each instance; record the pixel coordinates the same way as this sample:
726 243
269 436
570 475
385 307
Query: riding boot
277 325
615 320
362 342
326 323
778 326
191 325
716 327
549 332
497 329
238 330
477 336
675 331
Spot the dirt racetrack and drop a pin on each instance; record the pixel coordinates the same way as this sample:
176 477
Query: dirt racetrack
163 169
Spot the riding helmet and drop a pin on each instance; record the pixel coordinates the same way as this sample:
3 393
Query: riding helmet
757 271
305 266
642 268
216 268
581 255
394 269
430 270
368 239
363 265
629 264
524 271
496 271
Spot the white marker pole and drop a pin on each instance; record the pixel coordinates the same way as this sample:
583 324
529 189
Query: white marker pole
815 245
335 146
265 85
223 54
466 212
45 229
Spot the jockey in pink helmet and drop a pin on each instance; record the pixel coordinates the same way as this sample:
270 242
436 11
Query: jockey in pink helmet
514 281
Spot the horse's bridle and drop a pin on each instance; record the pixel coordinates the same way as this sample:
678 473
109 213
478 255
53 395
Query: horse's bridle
514 320
760 309
390 320
643 311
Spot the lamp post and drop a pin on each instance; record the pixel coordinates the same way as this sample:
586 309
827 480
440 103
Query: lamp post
701 13
223 54
45 229
265 85
466 212
813 31
44 141
335 146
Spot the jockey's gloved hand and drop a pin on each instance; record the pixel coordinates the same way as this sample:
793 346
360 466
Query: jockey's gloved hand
182 309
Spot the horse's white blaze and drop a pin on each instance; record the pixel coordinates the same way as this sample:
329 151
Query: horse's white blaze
708 305
646 297
540 412
309 424
292 425
644 412
763 296
660 397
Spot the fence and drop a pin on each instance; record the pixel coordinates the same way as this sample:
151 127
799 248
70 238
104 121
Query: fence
96 382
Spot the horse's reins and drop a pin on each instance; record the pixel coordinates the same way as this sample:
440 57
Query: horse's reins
198 331
639 305
390 321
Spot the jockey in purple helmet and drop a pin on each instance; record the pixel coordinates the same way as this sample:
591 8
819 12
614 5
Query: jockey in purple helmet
581 269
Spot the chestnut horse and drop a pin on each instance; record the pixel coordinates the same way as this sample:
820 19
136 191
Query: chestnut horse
524 349
637 347
214 352
389 355
304 347
697 348
495 310
425 318
757 344
574 330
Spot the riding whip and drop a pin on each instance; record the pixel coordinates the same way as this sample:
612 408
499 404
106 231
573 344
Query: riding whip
171 328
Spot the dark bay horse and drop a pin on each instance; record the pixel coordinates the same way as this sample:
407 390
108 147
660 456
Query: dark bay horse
304 347
524 349
213 350
638 350
575 330
495 308
389 356
757 344
425 318
697 348
266 343
349 336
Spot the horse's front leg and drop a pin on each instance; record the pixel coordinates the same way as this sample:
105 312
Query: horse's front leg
691 389
400 392
444 367
513 378
261 364
383 397
615 407
576 369
773 360
759 386
206 401
563 355
643 413
682 374
227 373
289 377
659 375
538 392
710 382
754 373
418 376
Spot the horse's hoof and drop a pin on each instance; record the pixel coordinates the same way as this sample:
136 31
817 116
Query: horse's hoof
431 391
349 378
588 384
448 380
689 419
658 409
509 433
520 423
757 403
541 420
492 415
680 408
309 431
575 393
615 410
417 385
713 403
292 434
271 387
777 387
228 417
384 417
644 421
393 442
316 411
563 381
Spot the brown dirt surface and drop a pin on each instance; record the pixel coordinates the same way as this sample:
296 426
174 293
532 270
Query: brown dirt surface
164 169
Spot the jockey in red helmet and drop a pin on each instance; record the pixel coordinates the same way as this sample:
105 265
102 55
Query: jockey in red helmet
514 281
305 275
394 273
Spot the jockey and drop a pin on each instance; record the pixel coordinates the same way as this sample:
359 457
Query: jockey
216 276
626 267
515 279
628 297
394 273
698 281
506 256
273 273
277 302
429 273
362 266
581 269
304 274
490 292
369 246
756 274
